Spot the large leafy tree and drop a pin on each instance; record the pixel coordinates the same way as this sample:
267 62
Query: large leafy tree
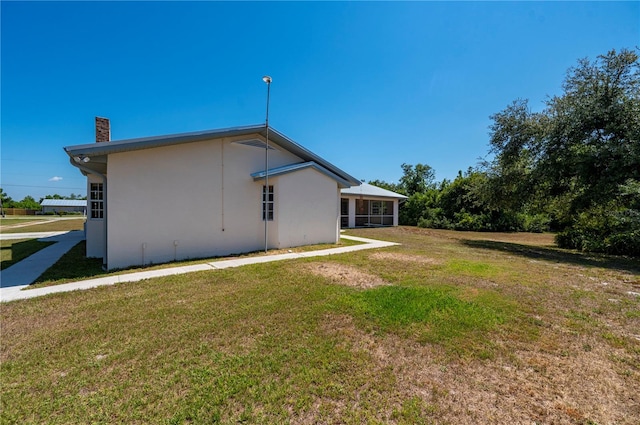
578 154
29 203
417 179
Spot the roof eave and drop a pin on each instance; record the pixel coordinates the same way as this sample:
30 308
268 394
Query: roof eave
275 172
92 150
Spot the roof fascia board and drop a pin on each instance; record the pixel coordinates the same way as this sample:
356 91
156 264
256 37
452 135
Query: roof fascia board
106 148
366 189
371 197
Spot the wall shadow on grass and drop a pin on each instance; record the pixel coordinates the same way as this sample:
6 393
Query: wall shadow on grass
13 252
558 255
73 266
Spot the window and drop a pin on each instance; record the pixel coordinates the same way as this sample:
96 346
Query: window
97 200
267 203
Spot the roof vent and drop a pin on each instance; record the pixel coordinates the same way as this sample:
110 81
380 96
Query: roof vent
255 143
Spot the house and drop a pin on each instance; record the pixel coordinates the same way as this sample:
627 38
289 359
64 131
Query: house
201 194
64 205
368 205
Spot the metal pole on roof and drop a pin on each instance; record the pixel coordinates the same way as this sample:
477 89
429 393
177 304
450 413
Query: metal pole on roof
265 193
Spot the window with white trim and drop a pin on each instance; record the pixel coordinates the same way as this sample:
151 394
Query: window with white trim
96 198
267 203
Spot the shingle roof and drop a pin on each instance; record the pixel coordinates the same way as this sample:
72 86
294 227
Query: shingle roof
366 189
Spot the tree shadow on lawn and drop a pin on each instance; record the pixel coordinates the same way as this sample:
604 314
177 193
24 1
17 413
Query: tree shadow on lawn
559 255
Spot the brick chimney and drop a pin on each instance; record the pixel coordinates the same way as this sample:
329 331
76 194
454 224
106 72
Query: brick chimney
103 130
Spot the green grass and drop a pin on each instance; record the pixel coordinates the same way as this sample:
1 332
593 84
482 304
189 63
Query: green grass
431 314
74 266
475 335
131 363
18 249
12 221
473 268
71 267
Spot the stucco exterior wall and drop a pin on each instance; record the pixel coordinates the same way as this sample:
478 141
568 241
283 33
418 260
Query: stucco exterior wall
95 227
186 201
307 209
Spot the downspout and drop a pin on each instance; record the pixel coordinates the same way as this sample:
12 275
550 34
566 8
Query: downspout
222 181
104 182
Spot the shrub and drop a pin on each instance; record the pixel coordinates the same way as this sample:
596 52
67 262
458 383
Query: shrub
536 223
608 229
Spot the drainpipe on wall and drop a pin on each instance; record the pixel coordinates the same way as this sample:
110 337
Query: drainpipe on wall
104 200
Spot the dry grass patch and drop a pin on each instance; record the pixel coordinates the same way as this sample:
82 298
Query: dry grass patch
405 258
47 225
344 275
527 386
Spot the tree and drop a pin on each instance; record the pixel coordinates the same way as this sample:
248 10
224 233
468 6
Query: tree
54 196
28 203
5 199
576 154
416 179
394 187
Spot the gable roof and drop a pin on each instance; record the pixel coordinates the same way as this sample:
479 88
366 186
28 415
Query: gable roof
99 151
273 172
366 189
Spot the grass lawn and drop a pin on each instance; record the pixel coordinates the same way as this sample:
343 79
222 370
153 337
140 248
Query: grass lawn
9 221
74 266
44 225
449 327
19 249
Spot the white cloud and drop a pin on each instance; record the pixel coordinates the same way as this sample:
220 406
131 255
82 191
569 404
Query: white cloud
55 179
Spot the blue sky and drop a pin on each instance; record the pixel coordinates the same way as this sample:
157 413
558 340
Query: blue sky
366 85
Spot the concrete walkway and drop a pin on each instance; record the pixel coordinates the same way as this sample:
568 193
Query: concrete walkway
31 235
16 292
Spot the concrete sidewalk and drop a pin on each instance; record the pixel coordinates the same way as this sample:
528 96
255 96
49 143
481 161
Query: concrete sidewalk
16 292
30 235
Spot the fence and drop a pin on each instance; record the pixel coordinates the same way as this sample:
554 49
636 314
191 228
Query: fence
19 211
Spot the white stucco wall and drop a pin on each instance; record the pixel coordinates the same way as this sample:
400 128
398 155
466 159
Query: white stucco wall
307 209
95 227
352 211
187 201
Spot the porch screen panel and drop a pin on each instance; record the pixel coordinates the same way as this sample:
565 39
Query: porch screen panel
344 212
374 213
